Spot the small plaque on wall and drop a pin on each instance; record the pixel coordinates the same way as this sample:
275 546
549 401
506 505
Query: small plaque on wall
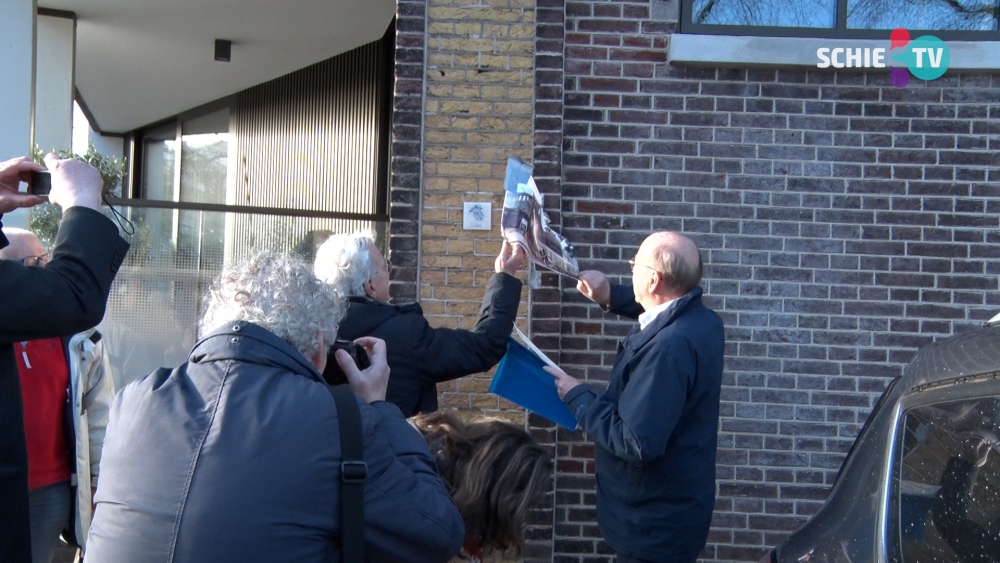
476 215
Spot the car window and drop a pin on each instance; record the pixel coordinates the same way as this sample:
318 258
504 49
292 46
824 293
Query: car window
946 491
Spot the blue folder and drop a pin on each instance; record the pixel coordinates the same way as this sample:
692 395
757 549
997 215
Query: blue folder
520 379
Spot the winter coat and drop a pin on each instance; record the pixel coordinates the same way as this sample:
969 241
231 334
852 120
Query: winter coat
655 431
420 356
67 296
92 390
235 456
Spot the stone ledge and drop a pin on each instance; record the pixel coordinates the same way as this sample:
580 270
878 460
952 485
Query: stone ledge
800 52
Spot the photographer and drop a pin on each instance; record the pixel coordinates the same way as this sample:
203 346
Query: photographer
67 296
235 456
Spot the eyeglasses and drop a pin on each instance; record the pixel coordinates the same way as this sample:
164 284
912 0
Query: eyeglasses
39 260
632 265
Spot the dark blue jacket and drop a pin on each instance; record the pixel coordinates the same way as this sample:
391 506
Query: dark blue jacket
235 456
655 431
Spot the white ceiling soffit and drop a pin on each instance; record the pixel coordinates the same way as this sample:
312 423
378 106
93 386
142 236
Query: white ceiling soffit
141 61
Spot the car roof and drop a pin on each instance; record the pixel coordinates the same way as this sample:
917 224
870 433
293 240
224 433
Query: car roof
970 354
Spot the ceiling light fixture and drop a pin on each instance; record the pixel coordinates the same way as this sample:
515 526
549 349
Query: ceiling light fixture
223 49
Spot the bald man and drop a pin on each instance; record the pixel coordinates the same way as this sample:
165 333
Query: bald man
655 426
64 437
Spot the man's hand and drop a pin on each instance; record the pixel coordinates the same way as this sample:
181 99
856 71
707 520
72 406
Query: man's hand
12 173
371 383
511 258
74 183
594 286
564 382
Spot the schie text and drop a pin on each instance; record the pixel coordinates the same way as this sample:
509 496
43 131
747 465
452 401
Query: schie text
851 58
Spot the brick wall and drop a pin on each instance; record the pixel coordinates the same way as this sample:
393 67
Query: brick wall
477 111
843 223
407 147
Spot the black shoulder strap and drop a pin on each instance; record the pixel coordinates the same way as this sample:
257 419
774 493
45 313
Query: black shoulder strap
353 473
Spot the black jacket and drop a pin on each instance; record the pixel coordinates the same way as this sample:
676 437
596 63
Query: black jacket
655 431
65 297
420 356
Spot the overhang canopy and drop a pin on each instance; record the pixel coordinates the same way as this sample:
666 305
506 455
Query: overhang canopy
141 61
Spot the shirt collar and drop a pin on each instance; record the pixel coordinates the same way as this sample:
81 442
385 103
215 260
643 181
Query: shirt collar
650 315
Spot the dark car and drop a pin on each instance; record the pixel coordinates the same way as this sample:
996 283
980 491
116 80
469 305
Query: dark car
922 481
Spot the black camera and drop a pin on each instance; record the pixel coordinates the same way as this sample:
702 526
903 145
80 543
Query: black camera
40 182
333 374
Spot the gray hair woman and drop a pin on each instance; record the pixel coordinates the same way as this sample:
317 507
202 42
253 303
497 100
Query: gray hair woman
278 293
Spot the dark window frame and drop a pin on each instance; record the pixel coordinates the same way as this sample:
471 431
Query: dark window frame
840 31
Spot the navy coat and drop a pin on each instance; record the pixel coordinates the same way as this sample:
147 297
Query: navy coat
235 456
655 431
421 356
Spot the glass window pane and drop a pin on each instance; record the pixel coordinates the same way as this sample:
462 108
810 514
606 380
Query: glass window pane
158 158
947 499
771 13
155 303
966 15
204 157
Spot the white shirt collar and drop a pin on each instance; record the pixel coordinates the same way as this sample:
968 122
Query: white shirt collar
650 315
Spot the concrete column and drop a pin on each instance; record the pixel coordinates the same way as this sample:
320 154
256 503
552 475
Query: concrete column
54 63
17 75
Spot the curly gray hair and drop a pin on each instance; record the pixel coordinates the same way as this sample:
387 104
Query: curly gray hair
279 293
344 261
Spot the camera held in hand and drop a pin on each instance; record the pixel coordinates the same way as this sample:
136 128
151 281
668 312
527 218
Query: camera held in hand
40 182
333 374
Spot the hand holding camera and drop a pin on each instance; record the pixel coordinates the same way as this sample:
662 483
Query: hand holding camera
371 382
334 374
12 173
73 183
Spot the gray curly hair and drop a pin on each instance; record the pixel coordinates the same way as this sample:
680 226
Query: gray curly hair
344 261
277 292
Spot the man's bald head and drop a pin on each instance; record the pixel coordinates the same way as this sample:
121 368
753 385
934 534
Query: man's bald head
677 259
22 244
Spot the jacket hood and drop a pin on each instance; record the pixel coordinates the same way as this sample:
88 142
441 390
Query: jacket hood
247 342
364 315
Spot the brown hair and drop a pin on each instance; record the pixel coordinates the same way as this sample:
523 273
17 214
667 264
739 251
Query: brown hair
494 470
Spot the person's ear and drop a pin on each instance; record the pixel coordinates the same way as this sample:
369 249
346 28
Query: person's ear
320 358
370 288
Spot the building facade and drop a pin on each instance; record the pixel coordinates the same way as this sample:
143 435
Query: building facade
844 222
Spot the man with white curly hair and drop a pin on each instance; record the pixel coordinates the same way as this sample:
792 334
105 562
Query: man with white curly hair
419 355
235 455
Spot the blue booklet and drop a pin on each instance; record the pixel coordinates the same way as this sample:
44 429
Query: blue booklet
520 379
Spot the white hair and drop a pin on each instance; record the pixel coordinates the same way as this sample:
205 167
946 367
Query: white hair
13 233
344 261
279 293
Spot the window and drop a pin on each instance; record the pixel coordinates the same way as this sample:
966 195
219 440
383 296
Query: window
946 497
947 19
279 166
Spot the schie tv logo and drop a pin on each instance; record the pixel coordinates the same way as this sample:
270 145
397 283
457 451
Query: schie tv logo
926 57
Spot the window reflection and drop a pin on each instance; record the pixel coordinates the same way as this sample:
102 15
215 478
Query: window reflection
771 13
948 495
967 15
